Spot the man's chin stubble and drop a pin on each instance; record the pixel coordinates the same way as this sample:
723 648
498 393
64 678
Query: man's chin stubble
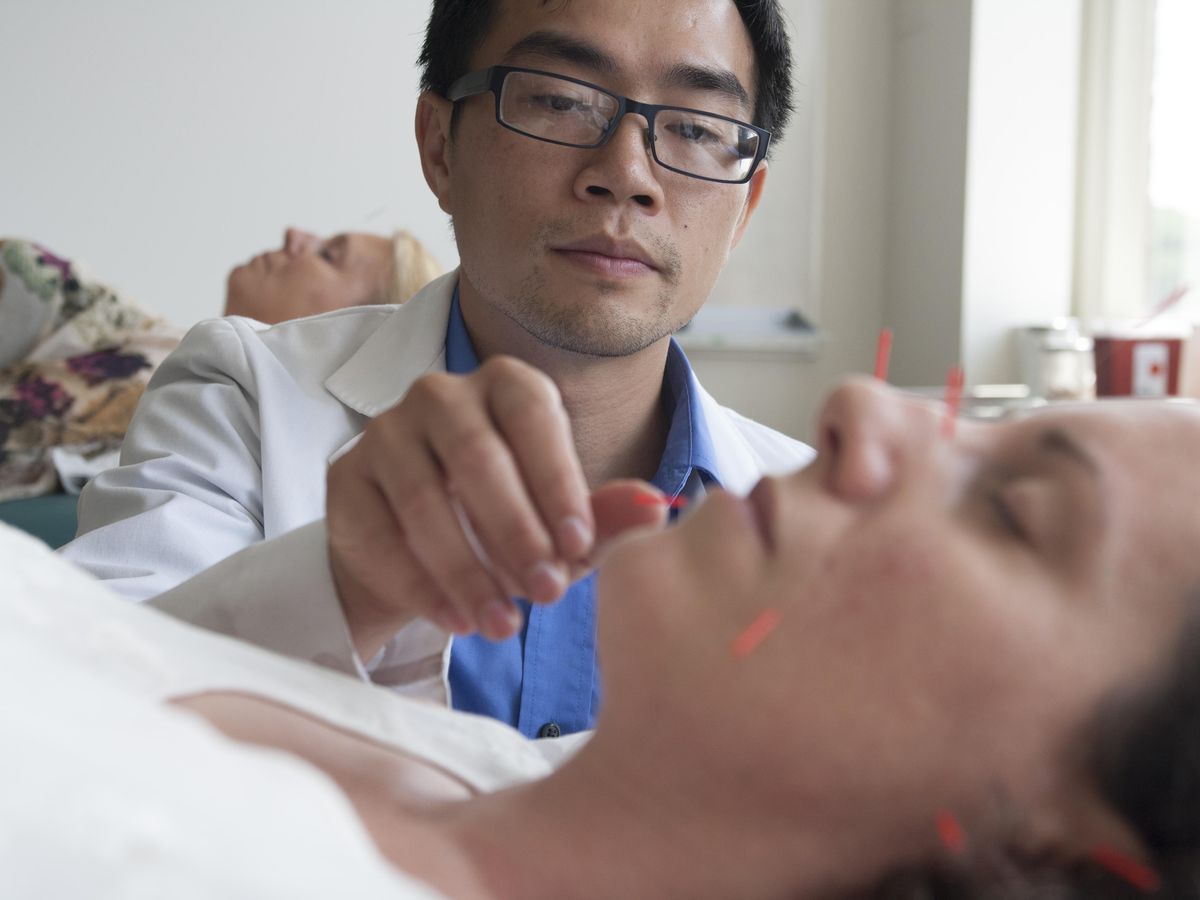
589 332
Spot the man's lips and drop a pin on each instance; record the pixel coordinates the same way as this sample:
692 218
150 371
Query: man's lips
608 254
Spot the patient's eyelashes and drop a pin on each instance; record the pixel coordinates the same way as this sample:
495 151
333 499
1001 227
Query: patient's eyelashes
1004 515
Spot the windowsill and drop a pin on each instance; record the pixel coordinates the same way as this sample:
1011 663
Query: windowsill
751 330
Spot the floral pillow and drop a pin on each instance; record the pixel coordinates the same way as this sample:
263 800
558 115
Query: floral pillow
74 360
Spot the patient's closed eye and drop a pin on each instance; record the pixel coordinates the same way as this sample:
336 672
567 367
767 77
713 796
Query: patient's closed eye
1005 516
1035 509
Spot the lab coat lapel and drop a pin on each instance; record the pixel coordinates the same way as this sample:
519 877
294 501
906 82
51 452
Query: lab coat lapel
411 342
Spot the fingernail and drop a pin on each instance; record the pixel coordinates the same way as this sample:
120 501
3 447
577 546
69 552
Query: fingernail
500 619
544 582
574 537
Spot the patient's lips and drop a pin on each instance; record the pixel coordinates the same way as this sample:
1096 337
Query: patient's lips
764 504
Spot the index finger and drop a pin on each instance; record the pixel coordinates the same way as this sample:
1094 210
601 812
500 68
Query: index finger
529 414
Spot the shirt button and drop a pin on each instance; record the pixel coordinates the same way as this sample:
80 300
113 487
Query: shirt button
549 730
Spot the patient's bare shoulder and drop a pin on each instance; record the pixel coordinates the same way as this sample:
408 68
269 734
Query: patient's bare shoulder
374 776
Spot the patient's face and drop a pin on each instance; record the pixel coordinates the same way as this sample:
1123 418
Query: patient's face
952 610
307 275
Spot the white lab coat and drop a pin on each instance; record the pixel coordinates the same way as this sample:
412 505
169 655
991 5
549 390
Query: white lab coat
216 511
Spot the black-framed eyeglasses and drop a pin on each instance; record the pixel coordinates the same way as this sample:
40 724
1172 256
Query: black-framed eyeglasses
563 110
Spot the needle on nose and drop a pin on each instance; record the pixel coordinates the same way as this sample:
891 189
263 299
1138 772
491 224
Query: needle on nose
954 388
883 353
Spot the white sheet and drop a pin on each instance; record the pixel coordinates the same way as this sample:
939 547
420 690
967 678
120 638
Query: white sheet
106 793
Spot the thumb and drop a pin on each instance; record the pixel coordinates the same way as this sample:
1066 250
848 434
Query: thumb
620 506
624 504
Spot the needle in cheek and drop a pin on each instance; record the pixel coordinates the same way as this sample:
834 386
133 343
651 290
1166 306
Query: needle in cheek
746 642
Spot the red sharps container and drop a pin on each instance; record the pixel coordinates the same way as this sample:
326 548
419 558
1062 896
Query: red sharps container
1139 360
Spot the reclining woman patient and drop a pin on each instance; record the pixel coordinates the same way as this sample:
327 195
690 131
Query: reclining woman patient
307 275
75 355
997 627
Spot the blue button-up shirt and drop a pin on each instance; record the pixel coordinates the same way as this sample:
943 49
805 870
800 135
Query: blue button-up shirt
547 673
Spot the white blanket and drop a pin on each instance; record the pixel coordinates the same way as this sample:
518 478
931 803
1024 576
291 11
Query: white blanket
107 793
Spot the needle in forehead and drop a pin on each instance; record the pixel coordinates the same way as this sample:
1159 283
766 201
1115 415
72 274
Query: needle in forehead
954 388
883 354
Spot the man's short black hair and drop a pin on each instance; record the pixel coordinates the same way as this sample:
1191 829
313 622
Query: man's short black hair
457 28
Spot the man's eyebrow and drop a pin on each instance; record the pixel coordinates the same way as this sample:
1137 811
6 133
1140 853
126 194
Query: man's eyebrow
553 45
557 46
1055 440
701 78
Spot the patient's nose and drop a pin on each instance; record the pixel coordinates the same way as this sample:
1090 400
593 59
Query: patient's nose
297 241
868 435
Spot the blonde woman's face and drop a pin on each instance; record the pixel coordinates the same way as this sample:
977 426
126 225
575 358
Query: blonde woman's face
308 275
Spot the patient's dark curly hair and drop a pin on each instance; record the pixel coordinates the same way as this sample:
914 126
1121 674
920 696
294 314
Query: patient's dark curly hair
1145 760
457 28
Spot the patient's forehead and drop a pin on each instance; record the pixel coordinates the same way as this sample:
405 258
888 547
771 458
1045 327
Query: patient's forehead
1153 428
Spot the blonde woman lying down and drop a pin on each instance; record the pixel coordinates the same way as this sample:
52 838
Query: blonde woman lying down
995 629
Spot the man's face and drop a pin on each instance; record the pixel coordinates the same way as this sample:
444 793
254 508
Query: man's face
599 251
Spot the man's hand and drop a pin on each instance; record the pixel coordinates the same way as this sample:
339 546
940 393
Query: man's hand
464 495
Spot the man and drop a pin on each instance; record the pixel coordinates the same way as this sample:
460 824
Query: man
466 497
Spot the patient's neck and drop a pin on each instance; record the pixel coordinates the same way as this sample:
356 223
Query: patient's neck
601 828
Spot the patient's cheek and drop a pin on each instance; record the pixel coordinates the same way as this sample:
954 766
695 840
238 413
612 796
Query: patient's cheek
886 570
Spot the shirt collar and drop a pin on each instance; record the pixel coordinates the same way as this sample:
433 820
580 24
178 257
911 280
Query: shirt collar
461 358
689 449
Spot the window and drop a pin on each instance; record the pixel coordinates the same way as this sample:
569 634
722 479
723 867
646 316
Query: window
1138 211
1174 244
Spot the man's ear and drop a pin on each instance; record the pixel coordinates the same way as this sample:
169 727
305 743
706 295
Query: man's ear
753 196
433 143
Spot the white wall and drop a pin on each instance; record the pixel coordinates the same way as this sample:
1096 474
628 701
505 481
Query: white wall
1019 229
927 148
161 143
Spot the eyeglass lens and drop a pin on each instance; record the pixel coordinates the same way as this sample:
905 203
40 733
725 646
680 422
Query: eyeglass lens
554 109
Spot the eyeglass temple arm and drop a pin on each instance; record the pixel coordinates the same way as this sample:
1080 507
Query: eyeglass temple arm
469 85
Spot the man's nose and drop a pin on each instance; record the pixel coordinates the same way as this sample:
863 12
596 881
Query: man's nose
868 435
623 167
297 241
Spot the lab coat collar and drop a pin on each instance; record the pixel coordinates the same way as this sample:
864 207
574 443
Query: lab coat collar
409 343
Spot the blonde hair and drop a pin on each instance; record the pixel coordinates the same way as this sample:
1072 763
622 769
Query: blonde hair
412 268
